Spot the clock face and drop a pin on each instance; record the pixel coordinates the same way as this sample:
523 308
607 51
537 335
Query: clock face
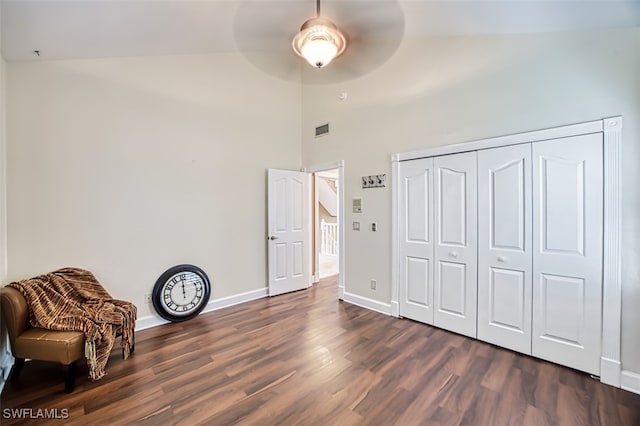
181 293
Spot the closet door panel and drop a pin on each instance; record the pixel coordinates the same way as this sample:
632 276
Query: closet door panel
416 240
505 247
452 293
507 300
567 262
452 191
418 272
455 222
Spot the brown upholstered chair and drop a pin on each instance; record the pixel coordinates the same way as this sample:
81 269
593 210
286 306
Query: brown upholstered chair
64 347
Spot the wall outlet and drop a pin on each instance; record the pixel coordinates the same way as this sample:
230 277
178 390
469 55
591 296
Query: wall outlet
147 298
374 284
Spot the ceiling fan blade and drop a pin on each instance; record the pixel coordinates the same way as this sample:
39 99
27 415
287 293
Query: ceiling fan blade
263 31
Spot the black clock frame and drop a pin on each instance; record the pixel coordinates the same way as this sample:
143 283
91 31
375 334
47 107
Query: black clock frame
156 297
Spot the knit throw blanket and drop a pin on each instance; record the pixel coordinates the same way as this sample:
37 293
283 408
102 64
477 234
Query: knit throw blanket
72 299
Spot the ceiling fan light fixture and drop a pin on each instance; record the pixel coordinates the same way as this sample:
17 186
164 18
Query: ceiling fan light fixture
319 42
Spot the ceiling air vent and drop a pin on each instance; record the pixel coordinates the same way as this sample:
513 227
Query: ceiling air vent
322 130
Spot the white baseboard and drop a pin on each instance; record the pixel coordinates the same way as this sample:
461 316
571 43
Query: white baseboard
610 371
395 309
149 321
365 302
154 320
630 381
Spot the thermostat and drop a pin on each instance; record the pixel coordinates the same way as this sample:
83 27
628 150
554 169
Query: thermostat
357 205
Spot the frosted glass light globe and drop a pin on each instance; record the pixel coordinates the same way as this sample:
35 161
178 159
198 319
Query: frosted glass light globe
319 42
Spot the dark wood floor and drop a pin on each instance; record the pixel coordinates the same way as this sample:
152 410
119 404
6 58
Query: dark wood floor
305 358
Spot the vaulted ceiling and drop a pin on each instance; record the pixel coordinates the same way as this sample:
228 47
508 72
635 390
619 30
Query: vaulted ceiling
262 30
89 29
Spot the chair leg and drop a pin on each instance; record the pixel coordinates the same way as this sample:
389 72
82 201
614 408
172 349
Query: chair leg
17 368
70 377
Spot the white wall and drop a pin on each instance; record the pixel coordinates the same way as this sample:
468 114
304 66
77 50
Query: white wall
438 91
3 169
129 166
5 359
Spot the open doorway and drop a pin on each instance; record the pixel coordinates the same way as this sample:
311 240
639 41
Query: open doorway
327 213
326 185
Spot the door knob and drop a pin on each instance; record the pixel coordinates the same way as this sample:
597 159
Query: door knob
502 259
273 238
453 254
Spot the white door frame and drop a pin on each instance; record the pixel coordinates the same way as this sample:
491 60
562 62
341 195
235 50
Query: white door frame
610 365
341 218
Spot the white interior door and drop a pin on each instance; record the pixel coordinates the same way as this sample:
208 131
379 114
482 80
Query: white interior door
455 293
288 223
416 240
504 246
567 260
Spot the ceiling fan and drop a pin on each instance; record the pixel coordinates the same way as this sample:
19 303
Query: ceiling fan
319 40
366 35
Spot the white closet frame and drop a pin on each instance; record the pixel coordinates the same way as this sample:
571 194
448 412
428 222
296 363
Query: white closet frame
611 128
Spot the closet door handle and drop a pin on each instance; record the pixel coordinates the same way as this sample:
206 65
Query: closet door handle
502 259
453 254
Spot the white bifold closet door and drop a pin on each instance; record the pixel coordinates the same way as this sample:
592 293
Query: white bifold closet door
416 240
504 247
455 220
567 246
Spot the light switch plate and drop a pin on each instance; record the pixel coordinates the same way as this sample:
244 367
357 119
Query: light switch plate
356 226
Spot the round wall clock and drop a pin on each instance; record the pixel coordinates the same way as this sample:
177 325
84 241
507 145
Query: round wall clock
181 293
